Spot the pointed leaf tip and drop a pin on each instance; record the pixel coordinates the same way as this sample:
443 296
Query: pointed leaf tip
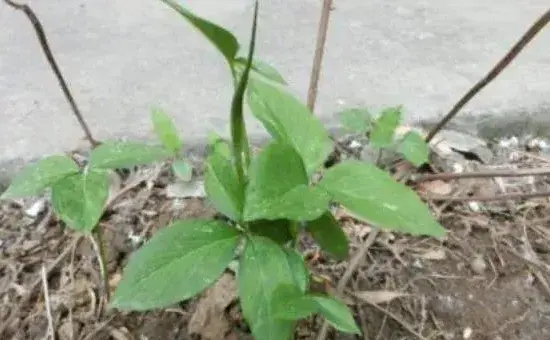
373 195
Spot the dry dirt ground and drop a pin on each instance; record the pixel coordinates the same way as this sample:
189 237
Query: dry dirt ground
488 279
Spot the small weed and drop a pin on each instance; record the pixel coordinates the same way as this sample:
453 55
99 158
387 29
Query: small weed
381 131
269 197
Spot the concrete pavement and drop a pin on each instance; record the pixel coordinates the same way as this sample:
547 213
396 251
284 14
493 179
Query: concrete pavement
123 56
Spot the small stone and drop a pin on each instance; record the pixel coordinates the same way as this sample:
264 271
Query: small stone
36 208
467 333
478 265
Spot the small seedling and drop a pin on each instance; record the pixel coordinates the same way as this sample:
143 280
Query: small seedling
381 133
80 195
169 136
269 197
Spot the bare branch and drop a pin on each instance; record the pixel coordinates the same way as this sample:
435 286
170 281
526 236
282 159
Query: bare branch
505 197
319 51
497 69
39 29
481 174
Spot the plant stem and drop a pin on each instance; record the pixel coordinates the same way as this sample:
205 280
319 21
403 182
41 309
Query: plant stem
102 258
295 231
241 150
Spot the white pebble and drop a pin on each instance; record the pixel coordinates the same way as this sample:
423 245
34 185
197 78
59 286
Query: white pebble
479 266
467 333
36 208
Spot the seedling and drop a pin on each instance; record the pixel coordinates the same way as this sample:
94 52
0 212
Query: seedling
381 132
169 136
269 197
80 195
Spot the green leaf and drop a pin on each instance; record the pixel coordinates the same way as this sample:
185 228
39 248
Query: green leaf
301 203
183 170
166 130
222 186
414 148
224 40
179 262
373 195
79 199
327 232
382 133
260 69
37 177
116 155
299 269
337 314
356 120
219 145
273 172
263 267
288 120
289 303
276 230
277 187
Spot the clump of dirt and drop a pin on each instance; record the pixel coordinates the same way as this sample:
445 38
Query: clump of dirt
487 279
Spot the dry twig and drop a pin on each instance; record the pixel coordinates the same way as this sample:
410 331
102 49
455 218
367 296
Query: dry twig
481 174
497 69
319 51
39 29
51 330
503 197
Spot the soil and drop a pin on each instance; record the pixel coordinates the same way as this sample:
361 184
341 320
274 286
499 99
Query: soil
488 279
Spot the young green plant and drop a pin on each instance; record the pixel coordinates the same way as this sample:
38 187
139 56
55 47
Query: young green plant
266 196
381 132
168 134
79 195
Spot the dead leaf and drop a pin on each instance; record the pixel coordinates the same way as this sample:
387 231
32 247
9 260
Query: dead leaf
436 254
180 189
376 297
437 187
115 279
402 130
210 320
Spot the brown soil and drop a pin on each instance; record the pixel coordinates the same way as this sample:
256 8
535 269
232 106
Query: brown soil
487 280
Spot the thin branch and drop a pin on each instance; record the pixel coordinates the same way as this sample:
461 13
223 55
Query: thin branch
51 329
481 174
319 51
504 197
39 29
497 69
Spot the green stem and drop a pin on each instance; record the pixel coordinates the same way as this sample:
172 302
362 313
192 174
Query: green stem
241 148
102 254
295 229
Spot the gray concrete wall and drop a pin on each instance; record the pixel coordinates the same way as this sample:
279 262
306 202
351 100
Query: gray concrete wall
123 56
